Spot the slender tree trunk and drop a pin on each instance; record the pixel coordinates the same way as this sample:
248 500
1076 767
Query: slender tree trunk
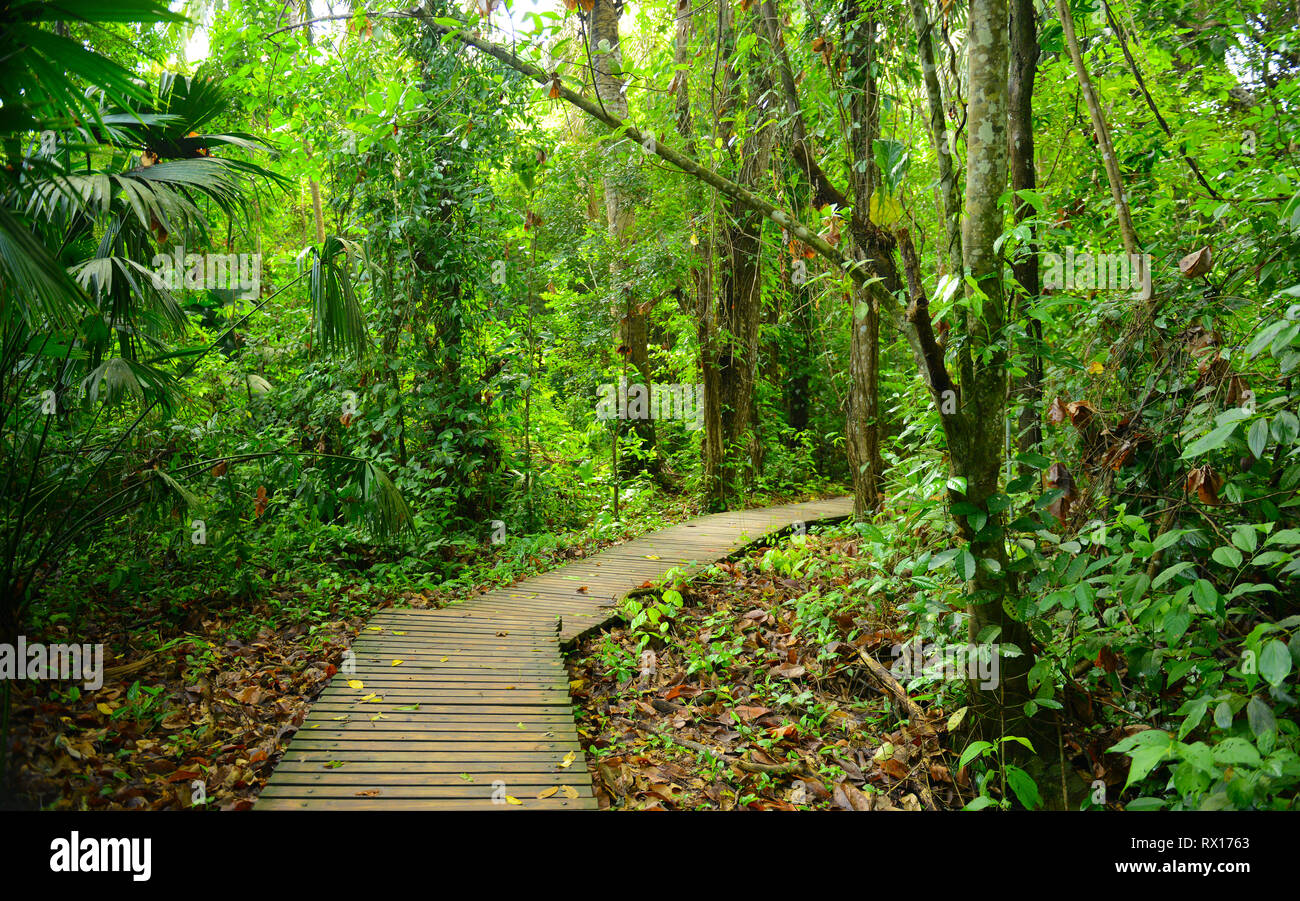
975 436
798 368
798 358
1020 149
733 338
391 331
703 254
873 248
950 204
863 427
1100 130
741 299
317 211
620 212
1150 101
712 445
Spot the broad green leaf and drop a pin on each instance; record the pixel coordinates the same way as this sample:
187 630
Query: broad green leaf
1206 443
966 564
1169 572
1285 428
1245 538
1236 751
1284 537
1023 785
973 750
1274 662
1205 596
1227 556
1176 623
1260 717
1257 437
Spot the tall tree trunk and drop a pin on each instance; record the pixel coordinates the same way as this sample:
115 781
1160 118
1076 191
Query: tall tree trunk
317 211
873 248
798 368
975 436
391 332
1020 149
863 426
740 299
798 360
703 253
732 341
620 212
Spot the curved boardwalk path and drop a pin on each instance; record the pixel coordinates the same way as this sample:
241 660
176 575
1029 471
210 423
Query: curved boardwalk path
481 694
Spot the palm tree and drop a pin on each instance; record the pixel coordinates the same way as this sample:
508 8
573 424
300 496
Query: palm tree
103 172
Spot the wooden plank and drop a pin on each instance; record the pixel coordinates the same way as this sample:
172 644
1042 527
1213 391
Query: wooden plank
446 695
416 668
471 792
531 723
466 642
484 749
405 696
383 729
439 708
477 783
399 756
440 804
417 768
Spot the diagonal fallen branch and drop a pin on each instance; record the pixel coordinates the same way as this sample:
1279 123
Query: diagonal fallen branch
914 714
892 686
860 270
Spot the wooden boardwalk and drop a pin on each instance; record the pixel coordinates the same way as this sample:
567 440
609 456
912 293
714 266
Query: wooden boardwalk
479 703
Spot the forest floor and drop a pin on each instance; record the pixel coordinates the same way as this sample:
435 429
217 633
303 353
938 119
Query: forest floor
741 708
757 698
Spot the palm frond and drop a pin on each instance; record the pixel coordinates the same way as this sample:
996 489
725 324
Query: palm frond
117 378
45 68
340 324
187 497
386 510
142 11
33 284
98 277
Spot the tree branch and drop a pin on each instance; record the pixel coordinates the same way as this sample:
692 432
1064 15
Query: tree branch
1151 104
918 314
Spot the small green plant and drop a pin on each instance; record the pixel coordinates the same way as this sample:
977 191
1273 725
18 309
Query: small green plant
651 614
144 704
789 559
617 659
1007 774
